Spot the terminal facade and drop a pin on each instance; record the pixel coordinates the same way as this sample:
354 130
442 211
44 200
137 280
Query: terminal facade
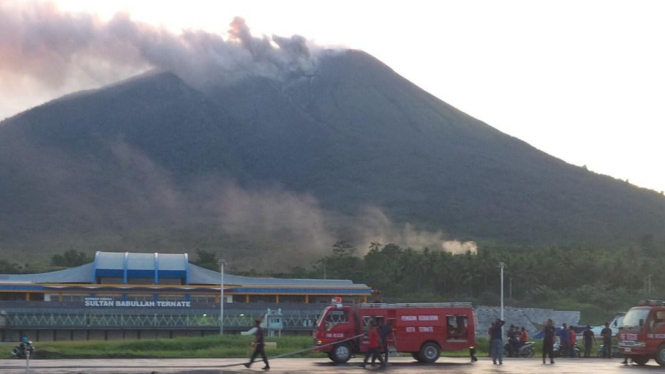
148 295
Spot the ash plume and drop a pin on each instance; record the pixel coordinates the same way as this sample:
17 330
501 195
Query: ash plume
43 47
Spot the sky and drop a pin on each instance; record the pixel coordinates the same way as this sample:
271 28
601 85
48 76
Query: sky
581 80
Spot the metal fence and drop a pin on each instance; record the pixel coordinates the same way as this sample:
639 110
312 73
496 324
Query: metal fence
292 320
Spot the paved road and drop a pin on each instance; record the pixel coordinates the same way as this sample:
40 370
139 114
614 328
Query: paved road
321 366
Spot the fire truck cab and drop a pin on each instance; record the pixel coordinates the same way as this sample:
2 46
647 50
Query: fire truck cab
642 336
422 329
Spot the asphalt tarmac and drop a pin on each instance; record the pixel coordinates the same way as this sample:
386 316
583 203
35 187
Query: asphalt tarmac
322 366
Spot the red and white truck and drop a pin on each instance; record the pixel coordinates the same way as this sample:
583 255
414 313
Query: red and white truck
422 329
642 336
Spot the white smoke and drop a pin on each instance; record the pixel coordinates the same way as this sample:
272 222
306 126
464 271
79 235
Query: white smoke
375 226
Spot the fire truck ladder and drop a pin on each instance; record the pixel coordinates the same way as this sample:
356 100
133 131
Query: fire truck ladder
416 305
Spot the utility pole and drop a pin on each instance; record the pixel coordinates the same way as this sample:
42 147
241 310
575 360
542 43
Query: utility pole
510 293
649 284
325 274
502 265
221 298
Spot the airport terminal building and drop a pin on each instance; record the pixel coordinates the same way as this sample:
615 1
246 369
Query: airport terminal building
149 295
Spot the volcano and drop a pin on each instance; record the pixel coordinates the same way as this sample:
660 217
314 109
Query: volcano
136 166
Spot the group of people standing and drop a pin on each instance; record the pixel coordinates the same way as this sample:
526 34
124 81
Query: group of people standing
568 340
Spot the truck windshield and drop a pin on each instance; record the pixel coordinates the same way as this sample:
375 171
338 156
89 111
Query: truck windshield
321 317
633 317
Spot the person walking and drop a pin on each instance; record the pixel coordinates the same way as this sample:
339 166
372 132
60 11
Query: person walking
259 347
589 339
385 330
497 341
373 346
549 334
489 334
564 340
606 333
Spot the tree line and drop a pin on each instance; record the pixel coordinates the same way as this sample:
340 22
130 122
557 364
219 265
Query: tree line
595 281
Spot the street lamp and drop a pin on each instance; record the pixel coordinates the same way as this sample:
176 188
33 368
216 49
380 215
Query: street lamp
502 265
221 297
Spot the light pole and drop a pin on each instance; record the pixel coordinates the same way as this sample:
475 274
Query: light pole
502 265
649 284
221 297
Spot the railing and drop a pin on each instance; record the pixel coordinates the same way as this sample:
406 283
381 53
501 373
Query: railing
416 305
150 320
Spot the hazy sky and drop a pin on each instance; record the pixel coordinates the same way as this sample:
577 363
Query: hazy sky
581 80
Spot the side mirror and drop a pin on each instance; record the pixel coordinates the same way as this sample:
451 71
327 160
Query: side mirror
641 322
615 323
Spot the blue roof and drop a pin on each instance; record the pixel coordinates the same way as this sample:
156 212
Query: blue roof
79 274
174 266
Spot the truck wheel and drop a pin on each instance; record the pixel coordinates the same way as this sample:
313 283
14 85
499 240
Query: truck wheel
429 352
660 355
640 360
340 354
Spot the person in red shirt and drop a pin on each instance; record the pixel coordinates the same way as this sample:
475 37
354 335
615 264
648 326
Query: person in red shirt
524 337
572 340
373 345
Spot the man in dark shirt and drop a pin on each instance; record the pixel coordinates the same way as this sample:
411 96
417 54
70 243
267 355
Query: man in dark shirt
549 334
497 342
385 330
589 339
607 340
259 347
513 341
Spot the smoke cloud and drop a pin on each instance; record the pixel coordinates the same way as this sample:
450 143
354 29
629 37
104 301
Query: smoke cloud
42 47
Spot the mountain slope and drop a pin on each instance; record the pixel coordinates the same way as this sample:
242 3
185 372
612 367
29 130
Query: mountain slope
137 164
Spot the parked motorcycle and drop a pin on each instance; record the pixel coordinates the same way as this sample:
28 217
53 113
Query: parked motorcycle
22 350
526 350
557 350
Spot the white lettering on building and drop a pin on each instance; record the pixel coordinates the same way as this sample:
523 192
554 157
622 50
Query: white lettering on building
109 302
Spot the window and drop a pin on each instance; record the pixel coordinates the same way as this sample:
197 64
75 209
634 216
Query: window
660 316
207 299
131 297
171 297
634 317
457 327
73 297
336 317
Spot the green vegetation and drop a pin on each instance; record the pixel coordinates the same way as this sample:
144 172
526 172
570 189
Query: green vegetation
594 281
70 258
200 347
228 346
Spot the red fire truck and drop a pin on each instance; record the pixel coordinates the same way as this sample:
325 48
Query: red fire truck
422 329
642 336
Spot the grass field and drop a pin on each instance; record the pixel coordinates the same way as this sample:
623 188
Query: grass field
228 346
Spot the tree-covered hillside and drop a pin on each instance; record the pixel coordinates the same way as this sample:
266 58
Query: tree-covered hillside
280 168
